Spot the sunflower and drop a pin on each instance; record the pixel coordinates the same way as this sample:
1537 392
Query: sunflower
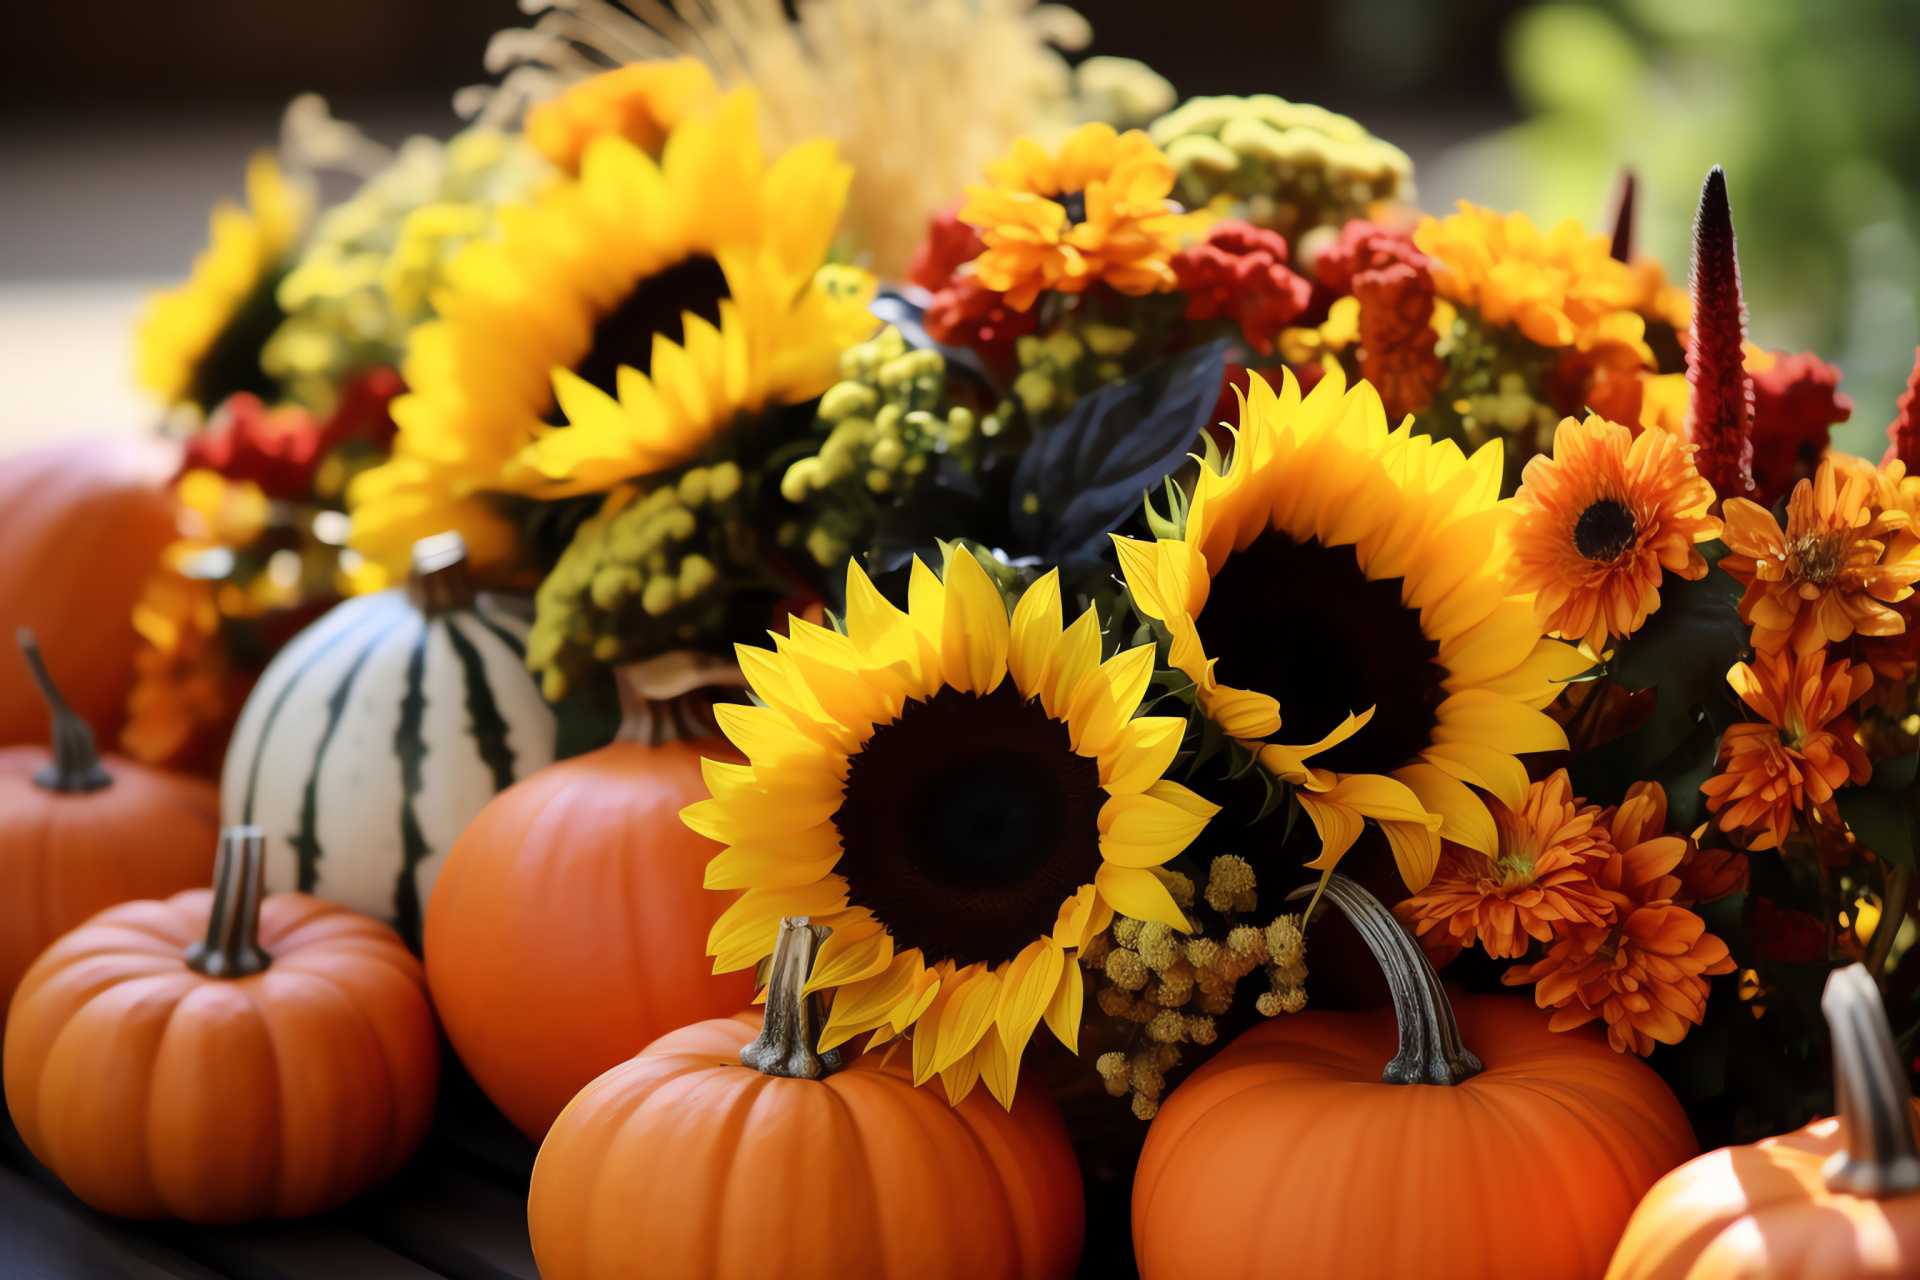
640 102
1352 576
965 802
648 303
1827 576
1096 212
1543 875
1804 750
1594 525
200 341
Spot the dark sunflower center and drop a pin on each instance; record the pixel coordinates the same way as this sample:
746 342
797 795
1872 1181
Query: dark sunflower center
624 335
1075 203
967 822
1302 623
1603 531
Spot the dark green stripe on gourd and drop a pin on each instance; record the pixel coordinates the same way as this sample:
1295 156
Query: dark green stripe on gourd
280 701
306 841
489 727
410 747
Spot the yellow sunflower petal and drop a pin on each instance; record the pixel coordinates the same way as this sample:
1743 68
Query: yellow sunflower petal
1064 1010
1138 893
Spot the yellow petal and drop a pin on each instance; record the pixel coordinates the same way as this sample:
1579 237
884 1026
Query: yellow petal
852 953
1026 987
1064 1010
1138 893
974 631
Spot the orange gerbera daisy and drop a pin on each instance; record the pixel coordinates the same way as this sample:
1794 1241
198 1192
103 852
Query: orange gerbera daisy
1594 525
1793 762
1542 875
1098 211
1827 576
1645 971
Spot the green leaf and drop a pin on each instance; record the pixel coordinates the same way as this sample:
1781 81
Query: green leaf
1880 810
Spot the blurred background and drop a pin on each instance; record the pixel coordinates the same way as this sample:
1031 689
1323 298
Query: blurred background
122 121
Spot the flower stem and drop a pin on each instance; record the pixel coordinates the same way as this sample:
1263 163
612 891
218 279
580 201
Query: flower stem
76 761
1430 1047
1893 913
232 946
1869 1091
791 1025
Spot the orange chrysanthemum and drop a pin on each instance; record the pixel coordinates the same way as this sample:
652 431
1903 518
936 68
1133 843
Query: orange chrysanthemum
1644 971
1794 761
1096 212
1594 525
1828 575
1543 876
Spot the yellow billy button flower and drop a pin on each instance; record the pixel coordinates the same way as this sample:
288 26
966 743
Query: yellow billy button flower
965 800
1351 576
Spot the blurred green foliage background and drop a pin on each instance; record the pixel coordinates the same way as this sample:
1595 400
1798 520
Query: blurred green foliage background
1812 107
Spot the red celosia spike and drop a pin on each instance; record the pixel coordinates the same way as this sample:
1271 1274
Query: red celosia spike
1623 219
1903 437
1721 405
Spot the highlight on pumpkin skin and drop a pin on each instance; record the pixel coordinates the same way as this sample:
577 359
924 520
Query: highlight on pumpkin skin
651 302
1351 577
964 799
1595 525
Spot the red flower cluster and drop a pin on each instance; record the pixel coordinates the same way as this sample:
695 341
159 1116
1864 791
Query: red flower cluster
1796 402
1903 435
1241 273
964 312
1380 266
279 448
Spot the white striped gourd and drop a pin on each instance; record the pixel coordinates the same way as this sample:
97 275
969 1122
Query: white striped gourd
379 732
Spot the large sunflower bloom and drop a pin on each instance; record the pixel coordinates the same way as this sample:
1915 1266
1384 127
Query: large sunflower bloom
1350 576
189 345
1542 876
966 802
1097 212
1796 759
649 302
1595 524
1827 576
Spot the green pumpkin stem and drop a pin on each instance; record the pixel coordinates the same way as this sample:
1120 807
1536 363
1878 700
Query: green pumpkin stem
792 1022
232 946
1430 1048
76 761
441 582
1869 1091
670 698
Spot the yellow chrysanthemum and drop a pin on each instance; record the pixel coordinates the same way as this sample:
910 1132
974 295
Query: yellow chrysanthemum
181 353
640 102
1562 289
1096 212
651 302
964 800
1351 575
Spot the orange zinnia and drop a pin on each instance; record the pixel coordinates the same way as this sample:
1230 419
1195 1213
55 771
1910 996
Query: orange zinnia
1827 576
1594 525
1645 972
1542 876
1793 762
1096 212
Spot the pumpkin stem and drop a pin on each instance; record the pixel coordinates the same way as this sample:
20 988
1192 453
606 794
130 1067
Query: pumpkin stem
441 581
790 1026
670 698
1869 1091
76 761
1430 1048
232 946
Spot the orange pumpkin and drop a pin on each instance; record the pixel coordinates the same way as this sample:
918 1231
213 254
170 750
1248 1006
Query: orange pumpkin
78 834
568 928
218 1058
1836 1200
82 525
718 1155
1293 1153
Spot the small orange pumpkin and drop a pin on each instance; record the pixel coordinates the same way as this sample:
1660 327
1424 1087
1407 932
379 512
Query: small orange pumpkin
78 834
718 1155
568 929
83 525
1303 1158
1836 1200
219 1058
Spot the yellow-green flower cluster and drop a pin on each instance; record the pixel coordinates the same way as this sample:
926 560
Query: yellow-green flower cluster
884 428
369 271
1284 165
1173 986
643 575
1055 371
